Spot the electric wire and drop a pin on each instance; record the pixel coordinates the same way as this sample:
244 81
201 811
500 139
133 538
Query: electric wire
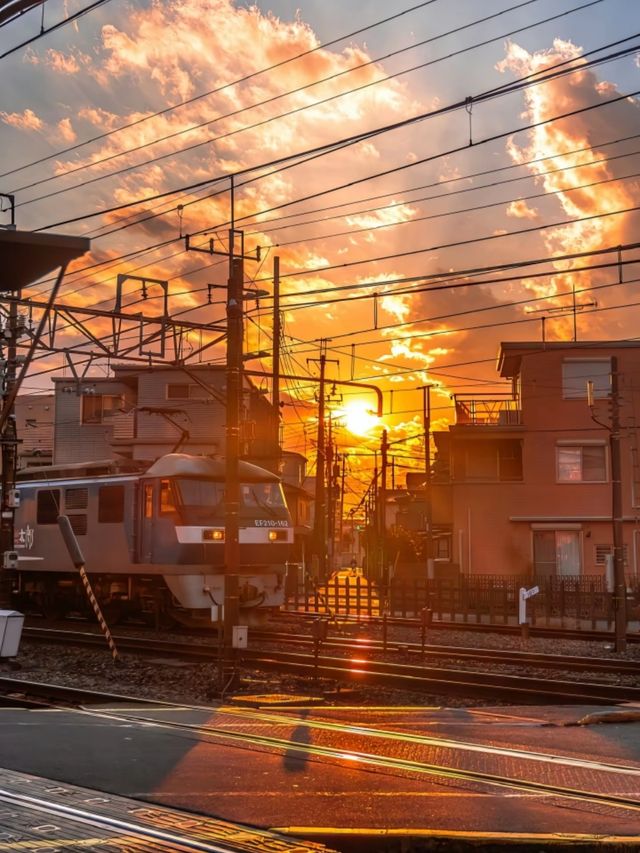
272 99
237 82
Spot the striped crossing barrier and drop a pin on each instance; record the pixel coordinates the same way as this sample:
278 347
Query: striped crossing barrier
73 547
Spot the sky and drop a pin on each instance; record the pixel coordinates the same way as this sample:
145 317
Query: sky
377 236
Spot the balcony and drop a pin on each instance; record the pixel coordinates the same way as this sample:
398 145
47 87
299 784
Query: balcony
487 411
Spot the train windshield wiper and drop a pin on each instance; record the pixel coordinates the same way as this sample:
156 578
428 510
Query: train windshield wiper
263 504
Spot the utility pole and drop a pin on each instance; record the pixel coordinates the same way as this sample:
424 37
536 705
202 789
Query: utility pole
9 454
382 497
320 512
275 388
330 497
232 441
341 517
234 373
620 586
426 421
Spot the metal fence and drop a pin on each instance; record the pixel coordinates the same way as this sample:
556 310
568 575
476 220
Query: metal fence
492 599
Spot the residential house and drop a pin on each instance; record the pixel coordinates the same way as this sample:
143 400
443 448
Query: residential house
34 426
141 414
530 472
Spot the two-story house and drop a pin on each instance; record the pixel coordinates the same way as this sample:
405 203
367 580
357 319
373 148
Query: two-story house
530 472
141 414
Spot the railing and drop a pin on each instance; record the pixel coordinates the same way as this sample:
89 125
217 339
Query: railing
487 412
572 601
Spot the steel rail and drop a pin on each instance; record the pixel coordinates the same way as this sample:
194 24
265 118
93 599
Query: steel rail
138 832
447 625
440 681
434 680
384 762
204 652
500 656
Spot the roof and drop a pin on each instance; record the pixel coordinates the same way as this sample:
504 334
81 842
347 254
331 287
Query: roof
511 353
184 465
25 256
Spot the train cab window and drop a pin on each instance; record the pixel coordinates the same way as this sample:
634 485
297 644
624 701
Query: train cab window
167 499
48 506
265 495
148 501
110 504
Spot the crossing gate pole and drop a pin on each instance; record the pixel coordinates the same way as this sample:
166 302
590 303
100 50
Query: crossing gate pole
77 558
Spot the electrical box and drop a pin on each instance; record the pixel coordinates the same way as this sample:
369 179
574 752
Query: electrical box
13 498
240 637
10 560
11 623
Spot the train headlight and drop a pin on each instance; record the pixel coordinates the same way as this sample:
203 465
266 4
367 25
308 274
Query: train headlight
277 535
213 535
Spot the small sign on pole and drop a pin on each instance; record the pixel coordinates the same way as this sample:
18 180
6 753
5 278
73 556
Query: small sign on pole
522 606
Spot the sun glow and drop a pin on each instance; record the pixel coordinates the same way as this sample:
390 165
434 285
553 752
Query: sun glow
358 417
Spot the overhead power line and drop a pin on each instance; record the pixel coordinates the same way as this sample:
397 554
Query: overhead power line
199 97
53 28
533 79
332 77
294 159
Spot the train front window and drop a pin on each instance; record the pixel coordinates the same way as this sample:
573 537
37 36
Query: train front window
199 493
263 495
199 501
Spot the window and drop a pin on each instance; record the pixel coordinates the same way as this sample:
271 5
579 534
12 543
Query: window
186 391
199 493
48 506
167 500
581 463
110 504
556 553
442 546
577 372
489 461
148 501
98 408
265 495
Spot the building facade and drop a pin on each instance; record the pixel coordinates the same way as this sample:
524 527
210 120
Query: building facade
143 414
529 473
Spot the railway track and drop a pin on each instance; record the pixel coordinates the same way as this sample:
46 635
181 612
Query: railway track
449 625
430 651
383 750
438 681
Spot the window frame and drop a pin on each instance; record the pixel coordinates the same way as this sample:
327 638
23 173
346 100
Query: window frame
581 445
103 418
579 393
194 391
55 502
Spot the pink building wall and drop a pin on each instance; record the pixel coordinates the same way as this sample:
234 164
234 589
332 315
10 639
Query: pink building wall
495 524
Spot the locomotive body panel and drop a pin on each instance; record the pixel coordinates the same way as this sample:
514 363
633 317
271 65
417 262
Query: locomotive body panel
141 533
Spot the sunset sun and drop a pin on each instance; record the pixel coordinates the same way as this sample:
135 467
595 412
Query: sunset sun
358 417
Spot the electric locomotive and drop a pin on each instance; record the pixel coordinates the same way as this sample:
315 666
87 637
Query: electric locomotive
153 541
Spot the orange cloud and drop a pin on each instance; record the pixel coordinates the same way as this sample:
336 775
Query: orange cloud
521 210
66 131
26 120
569 186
